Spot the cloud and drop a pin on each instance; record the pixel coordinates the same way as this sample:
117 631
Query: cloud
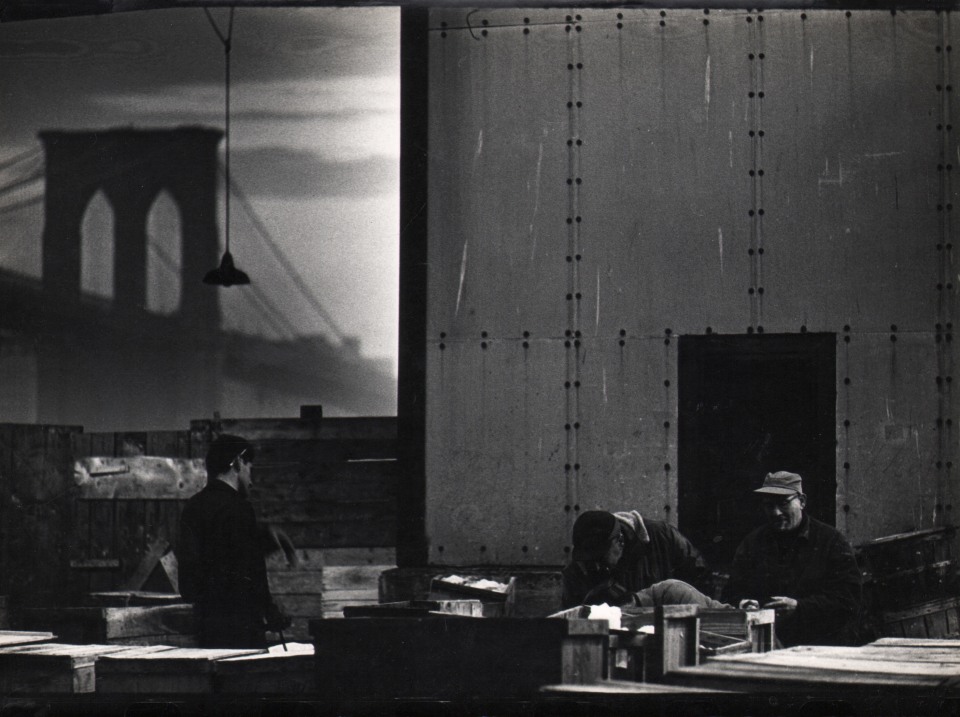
288 173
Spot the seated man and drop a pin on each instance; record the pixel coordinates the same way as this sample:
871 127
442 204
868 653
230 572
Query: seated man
593 576
802 568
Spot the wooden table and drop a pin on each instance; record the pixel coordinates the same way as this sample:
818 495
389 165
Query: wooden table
884 667
171 671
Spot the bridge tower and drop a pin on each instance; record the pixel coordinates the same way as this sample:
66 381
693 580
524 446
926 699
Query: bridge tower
132 167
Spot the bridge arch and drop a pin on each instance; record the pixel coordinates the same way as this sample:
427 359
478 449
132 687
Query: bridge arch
131 167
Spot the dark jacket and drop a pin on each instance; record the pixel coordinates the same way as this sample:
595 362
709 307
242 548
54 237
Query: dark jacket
593 583
221 567
655 551
816 566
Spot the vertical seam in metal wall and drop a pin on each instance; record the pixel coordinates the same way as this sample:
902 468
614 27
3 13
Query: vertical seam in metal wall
752 123
948 261
942 267
573 169
758 218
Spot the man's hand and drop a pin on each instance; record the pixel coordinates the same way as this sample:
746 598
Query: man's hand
749 605
782 604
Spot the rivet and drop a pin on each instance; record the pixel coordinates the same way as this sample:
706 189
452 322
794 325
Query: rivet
750 94
570 66
750 252
749 329
848 13
579 29
750 56
846 423
619 16
566 466
761 56
526 334
526 20
443 334
576 384
803 16
760 290
663 13
750 212
577 333
483 548
569 297
579 296
668 331
846 327
846 381
803 329
576 466
760 212
760 172
709 330
666 341
579 181
576 343
579 103
662 23
483 32
566 384
567 28
579 142
442 346
566 426
524 549
705 21
760 250
751 173
939 464
666 508
666 424
622 342
566 548
567 333
526 344
443 34
566 508
576 426
749 19
483 334
667 383
579 65
483 344
759 329
666 467
846 465
760 94
750 291
760 133
846 509
846 339
579 219
484 22
893 327
759 18
619 25
706 11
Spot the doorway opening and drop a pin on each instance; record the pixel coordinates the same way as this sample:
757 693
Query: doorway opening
749 405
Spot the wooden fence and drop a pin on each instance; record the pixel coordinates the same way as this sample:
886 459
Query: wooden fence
93 512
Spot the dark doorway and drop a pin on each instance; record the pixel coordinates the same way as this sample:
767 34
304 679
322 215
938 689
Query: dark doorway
750 405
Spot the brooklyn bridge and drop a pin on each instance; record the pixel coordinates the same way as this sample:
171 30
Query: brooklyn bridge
103 362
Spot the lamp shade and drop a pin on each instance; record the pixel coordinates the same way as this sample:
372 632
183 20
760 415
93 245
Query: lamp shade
226 274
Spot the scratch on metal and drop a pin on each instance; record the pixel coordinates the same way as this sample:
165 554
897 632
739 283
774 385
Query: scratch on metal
463 273
604 374
720 242
536 203
706 89
730 143
597 320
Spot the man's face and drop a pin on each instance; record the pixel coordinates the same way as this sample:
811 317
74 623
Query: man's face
783 512
244 478
614 550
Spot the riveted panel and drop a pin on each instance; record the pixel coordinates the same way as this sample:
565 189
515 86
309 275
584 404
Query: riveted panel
663 187
626 395
498 199
849 148
496 448
888 480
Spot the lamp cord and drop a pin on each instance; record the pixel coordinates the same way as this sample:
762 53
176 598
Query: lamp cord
226 40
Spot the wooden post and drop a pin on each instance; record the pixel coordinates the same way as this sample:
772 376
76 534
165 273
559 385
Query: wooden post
677 639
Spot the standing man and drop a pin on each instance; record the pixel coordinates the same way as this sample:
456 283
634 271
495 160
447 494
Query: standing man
221 566
802 568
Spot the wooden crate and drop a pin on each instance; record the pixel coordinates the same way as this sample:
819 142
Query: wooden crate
498 598
414 608
175 671
454 658
276 672
137 625
744 630
53 668
907 568
934 619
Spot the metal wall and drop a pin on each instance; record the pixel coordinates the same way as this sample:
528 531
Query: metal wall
604 181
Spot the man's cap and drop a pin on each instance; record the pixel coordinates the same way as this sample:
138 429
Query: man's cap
224 449
781 483
592 533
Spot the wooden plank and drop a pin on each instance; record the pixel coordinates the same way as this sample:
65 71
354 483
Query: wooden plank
915 642
138 478
814 661
290 582
352 577
371 530
155 551
277 672
316 558
308 606
776 678
181 670
280 451
334 513
9 638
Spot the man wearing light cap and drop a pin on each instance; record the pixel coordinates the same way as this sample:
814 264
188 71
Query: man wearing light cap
799 566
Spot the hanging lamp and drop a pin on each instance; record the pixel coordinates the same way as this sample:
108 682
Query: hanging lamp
227 274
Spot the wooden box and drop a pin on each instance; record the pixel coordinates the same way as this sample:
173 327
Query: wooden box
276 672
730 631
498 598
140 625
934 619
908 568
451 657
174 671
414 608
52 668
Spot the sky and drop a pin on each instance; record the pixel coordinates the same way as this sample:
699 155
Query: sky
314 135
